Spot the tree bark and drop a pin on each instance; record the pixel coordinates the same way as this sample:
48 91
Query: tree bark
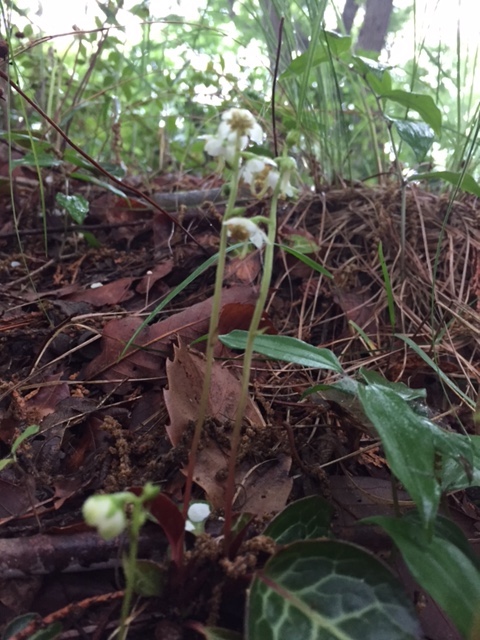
373 33
348 15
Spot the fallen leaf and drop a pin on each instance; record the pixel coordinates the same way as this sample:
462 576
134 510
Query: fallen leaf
111 293
186 374
146 358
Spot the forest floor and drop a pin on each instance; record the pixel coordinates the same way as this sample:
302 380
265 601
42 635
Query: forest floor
71 298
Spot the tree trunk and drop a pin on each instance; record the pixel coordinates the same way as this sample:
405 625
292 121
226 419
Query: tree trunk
348 15
373 33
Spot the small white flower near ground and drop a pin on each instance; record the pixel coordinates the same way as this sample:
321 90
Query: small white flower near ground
197 513
106 515
245 230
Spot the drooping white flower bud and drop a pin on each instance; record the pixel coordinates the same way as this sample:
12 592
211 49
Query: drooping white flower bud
245 230
106 514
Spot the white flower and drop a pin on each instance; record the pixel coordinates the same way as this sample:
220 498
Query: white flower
198 512
255 168
241 123
218 146
237 127
287 168
106 515
245 230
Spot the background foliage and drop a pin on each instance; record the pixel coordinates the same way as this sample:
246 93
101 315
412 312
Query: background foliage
138 90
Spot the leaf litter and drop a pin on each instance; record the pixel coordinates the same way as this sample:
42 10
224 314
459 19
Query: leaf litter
112 419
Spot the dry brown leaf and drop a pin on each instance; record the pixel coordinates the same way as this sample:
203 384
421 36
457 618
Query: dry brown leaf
111 293
153 340
186 374
265 488
43 401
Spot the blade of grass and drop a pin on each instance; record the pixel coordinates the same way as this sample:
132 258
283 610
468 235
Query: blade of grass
388 286
434 366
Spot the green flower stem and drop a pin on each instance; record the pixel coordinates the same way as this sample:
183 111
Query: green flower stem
213 328
247 363
130 565
138 517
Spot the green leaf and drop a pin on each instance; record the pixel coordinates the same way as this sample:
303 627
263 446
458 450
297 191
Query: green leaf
328 590
91 240
337 45
434 366
417 135
286 349
306 260
18 624
216 633
301 520
39 159
76 206
443 565
401 389
149 579
29 431
464 181
418 451
376 74
50 633
101 183
336 42
423 105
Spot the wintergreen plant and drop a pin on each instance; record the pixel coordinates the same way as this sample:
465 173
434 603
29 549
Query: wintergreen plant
237 130
108 514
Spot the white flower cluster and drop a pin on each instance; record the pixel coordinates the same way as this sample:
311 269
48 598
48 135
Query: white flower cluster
237 128
106 513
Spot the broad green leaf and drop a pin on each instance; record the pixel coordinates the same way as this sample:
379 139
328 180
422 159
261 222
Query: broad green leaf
286 349
417 450
418 135
50 633
331 591
77 206
459 473
422 104
26 139
443 565
464 181
301 520
408 446
331 44
376 74
149 579
306 260
17 625
39 159
401 389
302 244
337 43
